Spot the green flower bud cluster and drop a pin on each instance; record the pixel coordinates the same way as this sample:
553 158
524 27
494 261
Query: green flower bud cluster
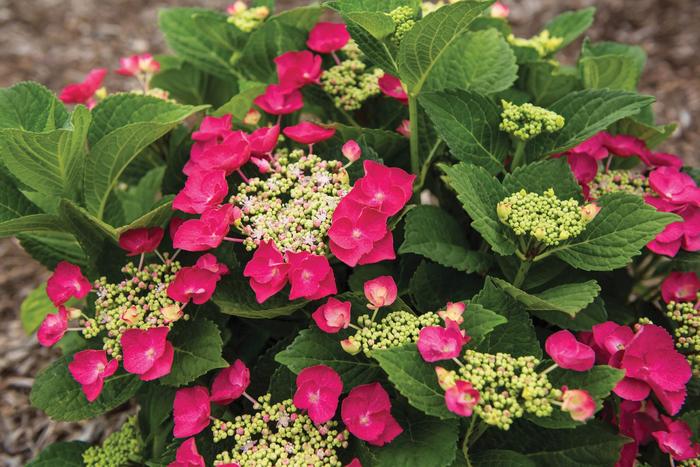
293 206
352 51
404 18
138 302
249 19
614 181
394 330
508 386
689 463
546 218
278 435
121 448
526 121
687 331
350 85
543 43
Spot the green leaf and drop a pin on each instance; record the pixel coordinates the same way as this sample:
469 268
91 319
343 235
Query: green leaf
653 135
31 107
49 248
234 297
623 226
430 38
383 142
59 395
593 314
599 381
425 441
190 33
548 82
198 347
155 217
279 34
567 298
90 232
609 71
602 49
543 175
468 122
586 113
570 25
591 445
377 23
432 285
480 61
183 81
239 105
127 124
446 246
479 193
50 163
500 458
34 309
314 347
61 454
479 321
414 379
516 336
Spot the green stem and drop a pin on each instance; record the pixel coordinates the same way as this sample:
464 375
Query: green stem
426 167
519 155
413 119
465 444
522 273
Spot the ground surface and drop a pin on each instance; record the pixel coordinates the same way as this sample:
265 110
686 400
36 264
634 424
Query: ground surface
58 41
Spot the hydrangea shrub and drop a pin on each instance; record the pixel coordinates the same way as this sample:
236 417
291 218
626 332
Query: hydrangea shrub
398 236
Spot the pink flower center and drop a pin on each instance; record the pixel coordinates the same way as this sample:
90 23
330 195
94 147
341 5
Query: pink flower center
314 397
356 233
100 368
150 353
364 419
306 275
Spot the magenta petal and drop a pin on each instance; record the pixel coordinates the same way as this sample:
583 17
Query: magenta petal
632 389
92 391
162 365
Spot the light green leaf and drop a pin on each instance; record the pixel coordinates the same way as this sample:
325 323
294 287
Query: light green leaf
543 175
479 193
34 309
586 113
431 37
153 218
60 396
414 379
31 107
377 23
239 105
314 347
602 49
446 246
198 347
61 454
49 248
567 298
468 122
234 297
480 61
141 120
623 226
609 71
570 25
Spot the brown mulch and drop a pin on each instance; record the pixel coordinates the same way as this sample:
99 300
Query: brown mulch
58 41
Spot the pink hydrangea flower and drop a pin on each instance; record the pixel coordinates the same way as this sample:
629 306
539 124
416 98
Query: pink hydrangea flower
191 411
381 291
230 383
579 404
680 287
66 282
332 316
138 64
279 100
436 343
404 128
193 283
386 189
499 10
453 312
297 69
308 133
208 231
354 463
569 353
636 420
209 262
143 240
608 339
625 145
267 271
264 140
594 146
53 327
328 37
175 224
83 93
351 150
213 129
391 86
357 233
187 455
318 391
684 234
662 159
147 353
203 190
461 398
366 412
310 276
676 439
90 368
229 155
675 188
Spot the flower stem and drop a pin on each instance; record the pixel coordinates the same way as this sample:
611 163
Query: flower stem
549 369
413 120
522 273
519 155
255 403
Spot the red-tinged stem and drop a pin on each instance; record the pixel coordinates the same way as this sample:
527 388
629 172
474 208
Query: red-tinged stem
245 179
234 240
141 261
255 403
335 57
175 254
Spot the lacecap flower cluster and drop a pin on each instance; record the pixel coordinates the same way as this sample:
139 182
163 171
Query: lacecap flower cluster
526 121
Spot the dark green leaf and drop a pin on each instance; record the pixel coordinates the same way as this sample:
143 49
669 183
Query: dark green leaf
61 454
235 297
543 175
567 298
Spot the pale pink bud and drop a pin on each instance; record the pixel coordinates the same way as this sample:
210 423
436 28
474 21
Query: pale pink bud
351 150
446 378
461 398
130 315
381 291
252 117
579 404
499 10
589 211
453 312
171 312
350 346
404 129
236 7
